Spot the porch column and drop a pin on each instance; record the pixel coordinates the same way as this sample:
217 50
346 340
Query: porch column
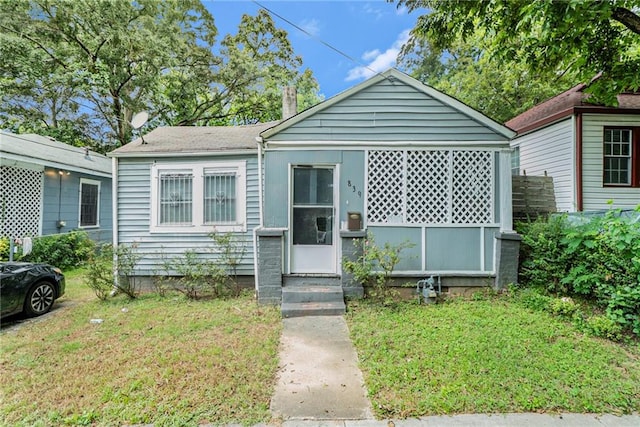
352 250
506 198
269 273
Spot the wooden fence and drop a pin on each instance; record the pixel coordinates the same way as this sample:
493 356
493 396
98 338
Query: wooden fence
533 196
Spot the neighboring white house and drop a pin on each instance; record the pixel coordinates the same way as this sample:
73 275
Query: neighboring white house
592 152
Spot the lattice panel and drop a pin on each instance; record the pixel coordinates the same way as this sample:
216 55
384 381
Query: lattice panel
428 187
385 180
20 192
472 199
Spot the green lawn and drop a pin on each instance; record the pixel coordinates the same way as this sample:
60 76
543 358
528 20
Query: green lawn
487 356
167 361
171 361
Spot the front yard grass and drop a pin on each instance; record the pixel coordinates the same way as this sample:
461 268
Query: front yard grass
167 361
486 356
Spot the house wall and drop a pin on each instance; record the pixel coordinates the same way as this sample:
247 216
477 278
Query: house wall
61 201
388 111
595 195
434 248
550 150
134 217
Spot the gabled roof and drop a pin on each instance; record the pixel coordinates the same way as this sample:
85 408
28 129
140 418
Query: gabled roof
406 79
191 140
44 151
564 105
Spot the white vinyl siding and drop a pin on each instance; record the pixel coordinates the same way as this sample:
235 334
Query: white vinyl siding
551 150
595 193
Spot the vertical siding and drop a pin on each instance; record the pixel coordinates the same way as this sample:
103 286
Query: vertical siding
551 150
595 194
134 217
389 111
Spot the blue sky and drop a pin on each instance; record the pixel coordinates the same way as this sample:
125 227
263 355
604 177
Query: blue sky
371 32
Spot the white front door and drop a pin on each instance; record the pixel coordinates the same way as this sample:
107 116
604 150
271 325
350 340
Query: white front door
313 240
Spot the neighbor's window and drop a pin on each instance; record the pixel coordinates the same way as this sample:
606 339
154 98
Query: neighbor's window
89 202
617 156
515 161
198 197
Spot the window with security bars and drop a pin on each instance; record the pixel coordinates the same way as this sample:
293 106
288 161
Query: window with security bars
89 203
198 197
176 198
430 187
219 197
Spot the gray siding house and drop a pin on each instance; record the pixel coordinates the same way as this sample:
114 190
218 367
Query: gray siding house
406 163
48 187
591 151
391 157
179 184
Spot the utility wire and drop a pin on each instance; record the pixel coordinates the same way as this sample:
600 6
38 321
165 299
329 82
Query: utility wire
318 39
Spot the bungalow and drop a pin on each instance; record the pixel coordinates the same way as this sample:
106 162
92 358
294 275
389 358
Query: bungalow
591 151
390 156
48 187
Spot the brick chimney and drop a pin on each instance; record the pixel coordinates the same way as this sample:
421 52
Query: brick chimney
289 102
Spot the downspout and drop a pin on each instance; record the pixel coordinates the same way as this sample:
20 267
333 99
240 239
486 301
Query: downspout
260 141
114 215
579 201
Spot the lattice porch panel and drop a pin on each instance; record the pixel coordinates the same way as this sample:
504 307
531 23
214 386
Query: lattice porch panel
20 191
385 181
428 187
472 187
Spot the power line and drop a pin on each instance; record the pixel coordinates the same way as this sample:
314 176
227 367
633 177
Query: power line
318 39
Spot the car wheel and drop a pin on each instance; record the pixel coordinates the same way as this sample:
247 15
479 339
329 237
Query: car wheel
39 299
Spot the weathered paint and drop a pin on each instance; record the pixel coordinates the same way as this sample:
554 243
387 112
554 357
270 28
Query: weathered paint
134 212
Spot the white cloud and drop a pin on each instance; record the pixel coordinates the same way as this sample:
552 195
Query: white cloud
370 10
377 61
311 26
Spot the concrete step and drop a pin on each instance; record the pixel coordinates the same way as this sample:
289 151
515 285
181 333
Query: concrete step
301 309
311 293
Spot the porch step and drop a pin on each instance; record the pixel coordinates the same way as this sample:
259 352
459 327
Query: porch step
312 300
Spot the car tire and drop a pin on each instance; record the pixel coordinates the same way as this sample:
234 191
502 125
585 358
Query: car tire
39 299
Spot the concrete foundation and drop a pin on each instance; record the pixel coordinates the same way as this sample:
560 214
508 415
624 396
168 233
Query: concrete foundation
269 279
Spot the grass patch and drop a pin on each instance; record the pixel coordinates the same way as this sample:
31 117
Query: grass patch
167 361
486 356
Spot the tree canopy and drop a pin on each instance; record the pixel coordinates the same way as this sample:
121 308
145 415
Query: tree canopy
78 71
575 37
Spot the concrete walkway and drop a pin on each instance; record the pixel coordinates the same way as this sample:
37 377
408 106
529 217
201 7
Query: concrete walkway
320 385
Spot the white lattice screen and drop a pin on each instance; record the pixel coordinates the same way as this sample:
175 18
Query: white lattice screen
20 191
430 187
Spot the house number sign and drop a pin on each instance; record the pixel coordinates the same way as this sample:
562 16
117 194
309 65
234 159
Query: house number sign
353 187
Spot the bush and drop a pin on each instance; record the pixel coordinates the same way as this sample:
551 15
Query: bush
100 272
598 259
4 249
374 267
69 250
604 327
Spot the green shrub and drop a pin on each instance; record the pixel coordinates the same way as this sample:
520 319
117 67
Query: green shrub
65 251
373 268
100 272
4 249
598 259
604 327
564 307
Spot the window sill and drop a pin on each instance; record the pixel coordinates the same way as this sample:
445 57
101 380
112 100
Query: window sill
200 229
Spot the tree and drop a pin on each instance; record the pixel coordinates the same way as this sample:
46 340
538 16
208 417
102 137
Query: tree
583 37
81 69
470 72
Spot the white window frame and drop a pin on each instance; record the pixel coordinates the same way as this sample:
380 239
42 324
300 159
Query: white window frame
89 182
197 169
